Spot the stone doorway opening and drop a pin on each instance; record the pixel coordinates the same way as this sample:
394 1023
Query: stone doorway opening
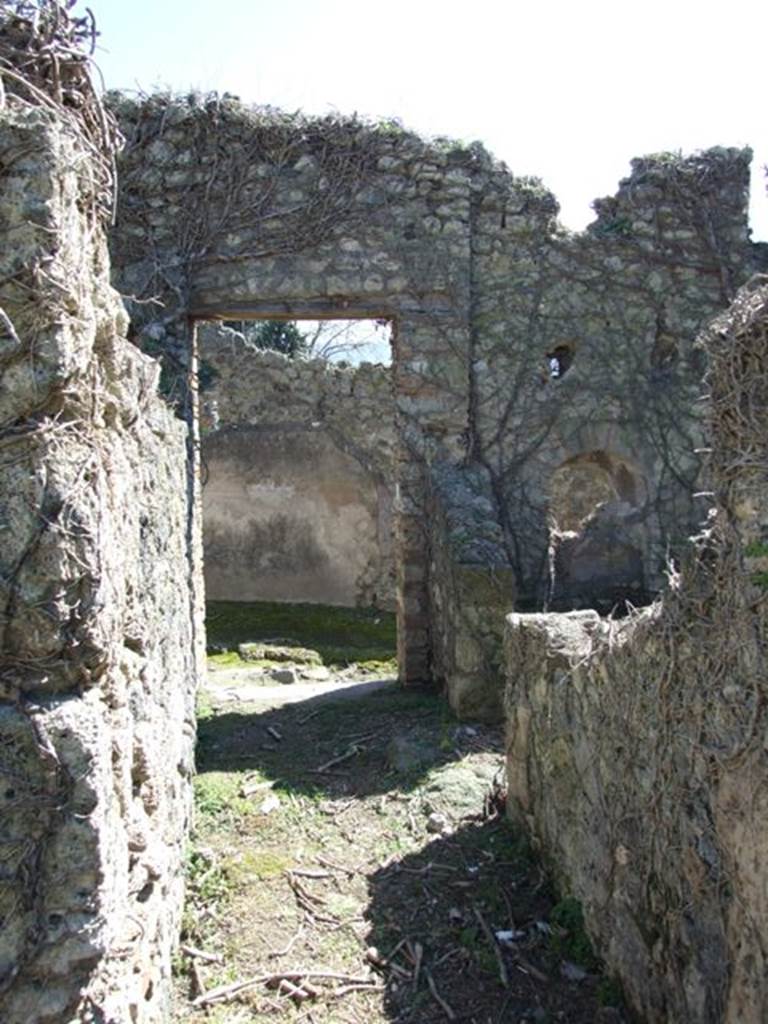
297 470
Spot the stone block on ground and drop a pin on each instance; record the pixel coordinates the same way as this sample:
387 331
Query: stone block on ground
268 651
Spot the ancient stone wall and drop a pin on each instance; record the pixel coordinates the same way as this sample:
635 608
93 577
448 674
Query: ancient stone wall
637 748
97 646
298 476
472 587
586 364
229 213
536 373
539 354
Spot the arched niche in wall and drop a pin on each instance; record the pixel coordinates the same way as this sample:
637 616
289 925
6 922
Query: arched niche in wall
597 504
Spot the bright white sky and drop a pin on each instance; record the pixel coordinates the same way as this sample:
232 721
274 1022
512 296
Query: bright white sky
568 91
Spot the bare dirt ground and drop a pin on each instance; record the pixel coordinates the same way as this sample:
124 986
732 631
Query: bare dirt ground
352 864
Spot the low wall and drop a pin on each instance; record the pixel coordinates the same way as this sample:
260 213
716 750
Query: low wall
98 653
636 749
298 477
471 590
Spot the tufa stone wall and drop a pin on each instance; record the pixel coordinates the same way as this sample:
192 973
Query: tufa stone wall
637 747
518 346
298 470
506 334
97 646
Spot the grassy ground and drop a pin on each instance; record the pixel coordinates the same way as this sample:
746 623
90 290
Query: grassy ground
354 859
341 636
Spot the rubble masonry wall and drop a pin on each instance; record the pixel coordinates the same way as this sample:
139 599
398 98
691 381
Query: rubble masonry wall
98 663
636 748
228 212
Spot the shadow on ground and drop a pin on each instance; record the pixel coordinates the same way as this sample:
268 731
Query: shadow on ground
442 910
387 739
366 839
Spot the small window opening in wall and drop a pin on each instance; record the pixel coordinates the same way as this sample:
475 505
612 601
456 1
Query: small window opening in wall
559 361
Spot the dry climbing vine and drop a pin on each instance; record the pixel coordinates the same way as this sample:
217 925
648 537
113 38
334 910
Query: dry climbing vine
231 184
616 298
45 64
232 201
46 56
680 701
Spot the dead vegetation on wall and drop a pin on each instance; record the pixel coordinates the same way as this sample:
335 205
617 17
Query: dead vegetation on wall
45 61
485 290
636 749
618 308
93 561
382 257
224 206
238 184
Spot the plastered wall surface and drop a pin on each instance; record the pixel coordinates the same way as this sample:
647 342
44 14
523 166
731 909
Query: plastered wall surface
287 517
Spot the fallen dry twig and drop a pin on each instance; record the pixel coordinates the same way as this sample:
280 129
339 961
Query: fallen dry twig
225 992
201 954
197 987
327 863
249 788
298 992
346 989
503 975
527 968
418 954
352 750
425 870
273 954
438 998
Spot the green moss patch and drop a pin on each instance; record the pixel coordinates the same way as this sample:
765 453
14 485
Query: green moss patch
339 636
279 650
570 938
